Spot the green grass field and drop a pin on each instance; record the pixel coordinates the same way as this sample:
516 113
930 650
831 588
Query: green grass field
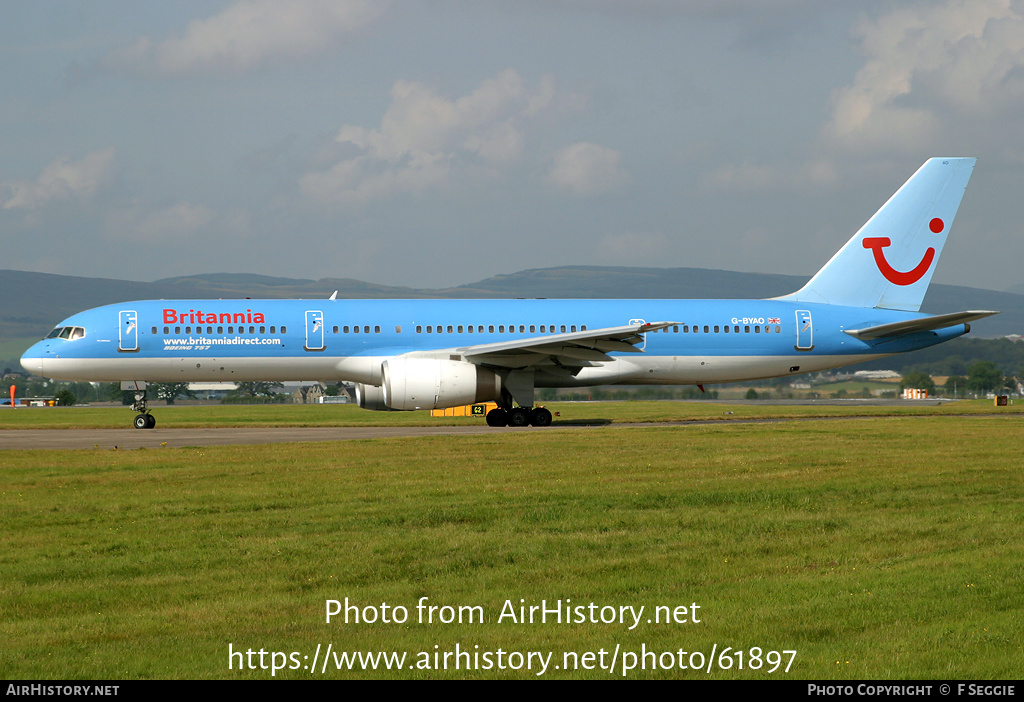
568 413
882 548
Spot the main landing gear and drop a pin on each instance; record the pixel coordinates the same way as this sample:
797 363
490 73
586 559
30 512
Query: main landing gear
517 387
519 417
143 420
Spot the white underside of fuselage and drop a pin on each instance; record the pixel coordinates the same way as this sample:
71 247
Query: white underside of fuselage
645 370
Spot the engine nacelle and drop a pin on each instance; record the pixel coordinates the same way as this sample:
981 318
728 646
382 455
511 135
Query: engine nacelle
371 397
426 383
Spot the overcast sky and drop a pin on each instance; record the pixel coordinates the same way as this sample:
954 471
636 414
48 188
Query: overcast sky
437 142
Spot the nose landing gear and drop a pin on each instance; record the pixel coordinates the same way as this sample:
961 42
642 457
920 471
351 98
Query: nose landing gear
143 420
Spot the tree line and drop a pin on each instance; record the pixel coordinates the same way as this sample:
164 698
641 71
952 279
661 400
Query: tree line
70 393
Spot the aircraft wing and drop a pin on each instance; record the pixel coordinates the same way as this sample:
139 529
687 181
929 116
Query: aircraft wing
912 326
574 349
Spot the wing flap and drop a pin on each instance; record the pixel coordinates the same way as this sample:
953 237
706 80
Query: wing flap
582 353
573 348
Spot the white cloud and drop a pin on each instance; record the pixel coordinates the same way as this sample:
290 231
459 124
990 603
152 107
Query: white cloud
169 226
62 180
178 221
251 33
425 138
752 177
928 68
692 8
587 169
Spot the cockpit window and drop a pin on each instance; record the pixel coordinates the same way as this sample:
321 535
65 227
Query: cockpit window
67 333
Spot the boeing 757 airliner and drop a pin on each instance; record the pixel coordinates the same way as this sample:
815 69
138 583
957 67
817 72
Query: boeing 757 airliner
426 354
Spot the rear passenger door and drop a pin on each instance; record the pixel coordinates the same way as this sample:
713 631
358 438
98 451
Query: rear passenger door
804 331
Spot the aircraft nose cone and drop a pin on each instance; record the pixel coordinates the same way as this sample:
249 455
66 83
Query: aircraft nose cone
32 360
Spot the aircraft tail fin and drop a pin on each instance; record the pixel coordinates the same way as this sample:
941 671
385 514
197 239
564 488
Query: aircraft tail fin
890 261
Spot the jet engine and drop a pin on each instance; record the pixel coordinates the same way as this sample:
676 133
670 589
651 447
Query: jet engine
426 383
371 397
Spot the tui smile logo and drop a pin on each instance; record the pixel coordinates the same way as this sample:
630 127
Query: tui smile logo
877 243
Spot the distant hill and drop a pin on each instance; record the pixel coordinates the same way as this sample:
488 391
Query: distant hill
32 303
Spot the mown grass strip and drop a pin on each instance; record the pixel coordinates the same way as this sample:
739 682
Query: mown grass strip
568 413
884 548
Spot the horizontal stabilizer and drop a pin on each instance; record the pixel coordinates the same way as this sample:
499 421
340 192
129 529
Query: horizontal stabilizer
912 326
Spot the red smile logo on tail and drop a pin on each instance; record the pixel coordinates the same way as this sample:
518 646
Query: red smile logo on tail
876 244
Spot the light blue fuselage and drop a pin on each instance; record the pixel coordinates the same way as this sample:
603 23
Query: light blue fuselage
242 340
